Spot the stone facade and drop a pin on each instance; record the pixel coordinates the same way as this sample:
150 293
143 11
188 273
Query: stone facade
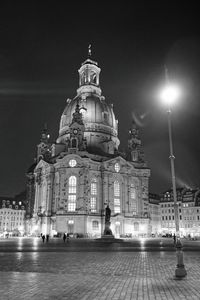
83 172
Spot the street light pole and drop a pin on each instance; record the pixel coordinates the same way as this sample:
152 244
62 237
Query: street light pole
169 95
172 158
180 271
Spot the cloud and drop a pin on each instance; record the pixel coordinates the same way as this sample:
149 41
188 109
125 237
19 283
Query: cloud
32 89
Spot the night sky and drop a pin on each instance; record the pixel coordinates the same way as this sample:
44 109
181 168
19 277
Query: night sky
42 47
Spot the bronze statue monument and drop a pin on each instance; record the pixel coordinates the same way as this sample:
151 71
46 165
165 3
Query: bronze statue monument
107 230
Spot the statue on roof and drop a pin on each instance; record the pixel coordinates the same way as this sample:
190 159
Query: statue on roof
77 115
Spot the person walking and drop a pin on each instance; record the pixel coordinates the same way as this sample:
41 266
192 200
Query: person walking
174 237
47 238
67 237
43 238
64 237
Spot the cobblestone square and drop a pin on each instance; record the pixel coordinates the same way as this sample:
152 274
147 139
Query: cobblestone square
96 275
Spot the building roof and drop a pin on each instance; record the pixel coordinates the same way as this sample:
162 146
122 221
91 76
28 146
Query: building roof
12 203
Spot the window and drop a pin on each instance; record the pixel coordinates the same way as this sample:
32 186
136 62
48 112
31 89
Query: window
133 200
95 225
70 226
116 197
136 226
93 199
72 193
72 163
74 143
117 167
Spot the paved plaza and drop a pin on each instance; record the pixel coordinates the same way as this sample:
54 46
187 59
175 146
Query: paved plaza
30 269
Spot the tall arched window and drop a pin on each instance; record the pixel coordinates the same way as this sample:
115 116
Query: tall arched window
134 206
72 193
93 198
116 197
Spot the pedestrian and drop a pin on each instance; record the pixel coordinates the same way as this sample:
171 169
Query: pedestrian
67 237
64 237
47 238
43 238
174 237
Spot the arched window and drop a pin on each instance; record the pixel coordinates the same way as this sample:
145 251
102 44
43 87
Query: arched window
72 193
134 206
93 198
116 197
95 225
74 143
136 226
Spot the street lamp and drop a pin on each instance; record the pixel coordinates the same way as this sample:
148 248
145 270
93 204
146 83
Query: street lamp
169 95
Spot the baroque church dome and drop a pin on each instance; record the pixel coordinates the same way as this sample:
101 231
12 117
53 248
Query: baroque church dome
101 126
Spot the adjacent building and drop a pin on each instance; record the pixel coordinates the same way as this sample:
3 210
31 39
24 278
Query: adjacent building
154 214
188 201
12 217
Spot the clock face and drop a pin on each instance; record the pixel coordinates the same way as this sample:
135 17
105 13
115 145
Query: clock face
75 131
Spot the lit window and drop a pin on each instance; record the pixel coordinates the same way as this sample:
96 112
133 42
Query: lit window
72 163
133 200
117 167
93 204
93 199
72 185
72 194
116 197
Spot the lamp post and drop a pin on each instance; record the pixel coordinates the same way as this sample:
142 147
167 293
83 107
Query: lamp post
169 95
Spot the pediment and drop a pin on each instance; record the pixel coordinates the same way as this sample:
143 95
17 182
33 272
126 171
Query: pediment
124 166
65 160
43 165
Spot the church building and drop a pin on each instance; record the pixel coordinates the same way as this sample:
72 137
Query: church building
73 180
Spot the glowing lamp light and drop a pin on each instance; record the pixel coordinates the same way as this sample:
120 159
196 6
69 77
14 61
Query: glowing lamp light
170 94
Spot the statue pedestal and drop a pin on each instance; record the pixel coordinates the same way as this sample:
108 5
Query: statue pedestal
107 234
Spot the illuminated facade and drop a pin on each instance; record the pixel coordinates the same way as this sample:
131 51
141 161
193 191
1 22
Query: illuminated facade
12 217
154 214
74 179
188 201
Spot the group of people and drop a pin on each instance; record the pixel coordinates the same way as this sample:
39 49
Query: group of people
65 237
43 237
